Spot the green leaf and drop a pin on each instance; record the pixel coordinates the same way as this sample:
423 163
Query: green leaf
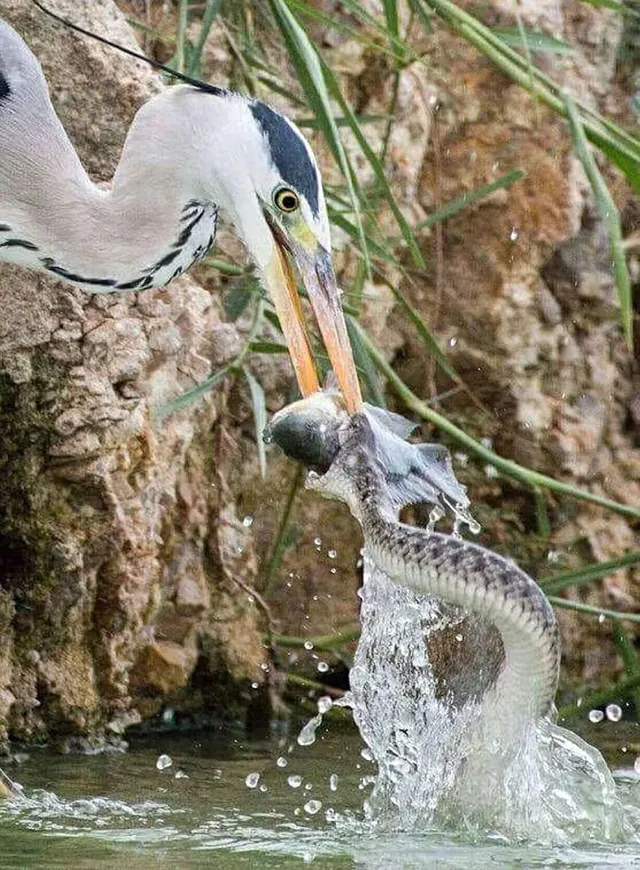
450 208
391 17
261 346
512 469
364 364
307 64
374 162
616 6
591 609
259 417
610 217
599 130
588 574
238 297
536 40
186 398
211 10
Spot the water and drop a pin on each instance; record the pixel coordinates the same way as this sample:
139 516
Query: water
118 812
441 761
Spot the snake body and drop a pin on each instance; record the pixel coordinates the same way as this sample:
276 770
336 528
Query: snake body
430 563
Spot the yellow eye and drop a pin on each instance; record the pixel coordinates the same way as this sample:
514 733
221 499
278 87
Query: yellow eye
286 199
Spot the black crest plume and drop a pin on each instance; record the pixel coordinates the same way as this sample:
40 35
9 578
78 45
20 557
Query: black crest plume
196 83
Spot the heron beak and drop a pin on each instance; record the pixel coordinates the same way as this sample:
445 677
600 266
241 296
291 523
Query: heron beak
314 264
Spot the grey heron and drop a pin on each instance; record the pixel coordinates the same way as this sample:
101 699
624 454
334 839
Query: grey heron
191 153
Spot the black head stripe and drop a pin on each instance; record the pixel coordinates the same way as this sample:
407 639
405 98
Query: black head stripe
289 153
5 90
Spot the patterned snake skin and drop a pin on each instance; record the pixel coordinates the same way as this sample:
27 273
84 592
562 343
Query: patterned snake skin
453 570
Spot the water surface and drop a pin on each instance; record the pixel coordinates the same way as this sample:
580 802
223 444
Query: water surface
119 811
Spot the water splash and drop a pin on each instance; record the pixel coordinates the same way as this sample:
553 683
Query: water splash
421 714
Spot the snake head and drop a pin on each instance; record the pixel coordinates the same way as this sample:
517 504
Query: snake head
307 431
354 476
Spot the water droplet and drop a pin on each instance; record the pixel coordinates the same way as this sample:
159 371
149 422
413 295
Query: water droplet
613 712
312 807
180 774
324 704
264 666
367 754
308 786
163 762
247 522
453 341
332 554
168 716
264 788
601 618
254 685
294 781
596 715
333 571
436 514
323 667
307 735
282 761
459 638
252 780
308 645
333 782
513 235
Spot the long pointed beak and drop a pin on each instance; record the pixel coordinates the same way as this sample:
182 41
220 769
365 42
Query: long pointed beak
281 285
318 277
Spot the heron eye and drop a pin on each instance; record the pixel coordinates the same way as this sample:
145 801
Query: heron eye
286 199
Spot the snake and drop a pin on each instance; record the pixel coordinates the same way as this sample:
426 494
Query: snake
353 459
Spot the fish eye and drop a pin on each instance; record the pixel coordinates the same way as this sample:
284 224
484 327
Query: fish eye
286 200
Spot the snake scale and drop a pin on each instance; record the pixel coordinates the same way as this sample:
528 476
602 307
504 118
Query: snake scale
347 464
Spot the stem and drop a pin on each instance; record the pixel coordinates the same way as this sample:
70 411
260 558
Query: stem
323 643
507 466
278 544
600 697
590 608
581 576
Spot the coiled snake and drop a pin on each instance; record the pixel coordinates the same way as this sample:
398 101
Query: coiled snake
361 461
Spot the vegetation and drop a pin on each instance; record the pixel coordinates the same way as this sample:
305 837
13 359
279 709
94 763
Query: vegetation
251 27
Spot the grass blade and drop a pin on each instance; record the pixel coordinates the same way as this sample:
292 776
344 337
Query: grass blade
615 5
307 64
261 346
365 365
609 214
450 208
259 417
600 697
593 610
512 469
374 162
186 398
588 574
428 338
211 10
536 40
621 147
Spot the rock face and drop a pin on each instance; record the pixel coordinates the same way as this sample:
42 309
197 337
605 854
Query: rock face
125 565
112 564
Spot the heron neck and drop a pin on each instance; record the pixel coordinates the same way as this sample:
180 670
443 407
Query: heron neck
147 227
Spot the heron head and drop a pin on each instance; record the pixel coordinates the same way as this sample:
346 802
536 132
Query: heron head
274 195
